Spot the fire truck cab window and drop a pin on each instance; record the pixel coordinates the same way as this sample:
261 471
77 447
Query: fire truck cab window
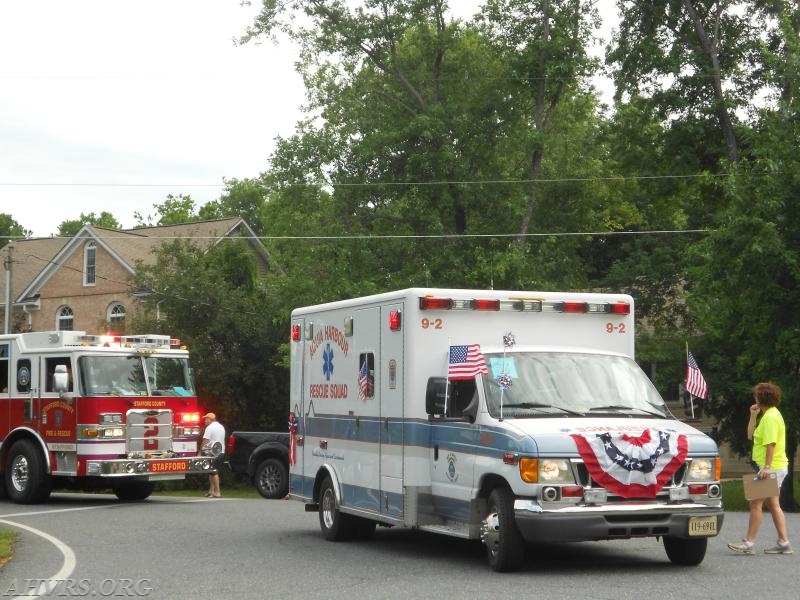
24 375
51 363
3 368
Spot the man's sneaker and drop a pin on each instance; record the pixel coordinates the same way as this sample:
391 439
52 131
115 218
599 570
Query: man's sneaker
743 547
780 549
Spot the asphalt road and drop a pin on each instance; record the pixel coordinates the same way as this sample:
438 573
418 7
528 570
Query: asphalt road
171 548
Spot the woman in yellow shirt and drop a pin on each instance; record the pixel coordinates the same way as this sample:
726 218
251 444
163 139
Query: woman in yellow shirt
769 453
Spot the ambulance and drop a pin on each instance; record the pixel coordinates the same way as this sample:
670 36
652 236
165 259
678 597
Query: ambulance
92 412
512 417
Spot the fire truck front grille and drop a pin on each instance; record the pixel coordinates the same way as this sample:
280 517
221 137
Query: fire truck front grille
149 432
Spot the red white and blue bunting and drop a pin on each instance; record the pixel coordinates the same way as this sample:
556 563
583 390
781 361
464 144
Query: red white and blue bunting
632 467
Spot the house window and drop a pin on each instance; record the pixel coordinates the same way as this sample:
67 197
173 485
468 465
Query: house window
116 314
90 264
66 319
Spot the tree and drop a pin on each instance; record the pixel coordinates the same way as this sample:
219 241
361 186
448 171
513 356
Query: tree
11 230
173 211
243 198
70 228
216 302
695 60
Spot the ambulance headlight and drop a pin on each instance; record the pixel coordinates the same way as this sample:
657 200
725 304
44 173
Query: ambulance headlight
702 469
555 471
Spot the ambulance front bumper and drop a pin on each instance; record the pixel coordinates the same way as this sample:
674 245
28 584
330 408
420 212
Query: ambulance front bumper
578 523
155 468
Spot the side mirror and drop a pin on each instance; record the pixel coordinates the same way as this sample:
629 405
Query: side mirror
435 395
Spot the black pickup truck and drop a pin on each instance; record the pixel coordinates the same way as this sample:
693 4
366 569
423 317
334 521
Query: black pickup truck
262 458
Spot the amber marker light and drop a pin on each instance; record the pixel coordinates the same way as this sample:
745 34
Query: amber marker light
529 470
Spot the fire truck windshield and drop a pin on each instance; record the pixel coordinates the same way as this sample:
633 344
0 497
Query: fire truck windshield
134 376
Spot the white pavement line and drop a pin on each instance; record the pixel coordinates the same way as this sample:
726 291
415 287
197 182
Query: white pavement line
66 568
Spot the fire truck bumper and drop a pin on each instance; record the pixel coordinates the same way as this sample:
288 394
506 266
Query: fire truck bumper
587 523
154 468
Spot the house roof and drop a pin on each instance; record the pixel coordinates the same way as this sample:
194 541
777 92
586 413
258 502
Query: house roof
36 259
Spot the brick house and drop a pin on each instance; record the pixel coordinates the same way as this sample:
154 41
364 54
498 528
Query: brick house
85 282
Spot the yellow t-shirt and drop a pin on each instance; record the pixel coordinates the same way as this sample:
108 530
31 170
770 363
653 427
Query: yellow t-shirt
771 430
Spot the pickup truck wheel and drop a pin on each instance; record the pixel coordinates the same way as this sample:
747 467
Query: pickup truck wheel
335 525
685 552
272 479
132 492
505 547
27 481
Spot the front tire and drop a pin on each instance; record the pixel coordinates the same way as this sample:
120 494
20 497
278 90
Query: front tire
27 481
133 492
505 547
272 479
335 525
685 552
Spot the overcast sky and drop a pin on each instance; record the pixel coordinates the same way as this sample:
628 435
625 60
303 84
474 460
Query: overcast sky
110 105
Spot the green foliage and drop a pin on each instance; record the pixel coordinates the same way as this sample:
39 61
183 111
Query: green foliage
215 303
70 228
173 211
11 230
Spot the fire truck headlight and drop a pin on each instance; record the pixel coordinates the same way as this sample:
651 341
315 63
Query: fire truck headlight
702 469
112 432
555 471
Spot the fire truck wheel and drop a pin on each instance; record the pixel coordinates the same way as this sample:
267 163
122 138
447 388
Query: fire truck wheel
27 481
685 552
505 547
335 525
131 492
272 479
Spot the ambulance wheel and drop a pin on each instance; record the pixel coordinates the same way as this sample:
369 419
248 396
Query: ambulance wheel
505 547
27 481
685 552
132 492
335 525
272 479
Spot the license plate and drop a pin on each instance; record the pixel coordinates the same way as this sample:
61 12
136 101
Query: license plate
169 466
703 526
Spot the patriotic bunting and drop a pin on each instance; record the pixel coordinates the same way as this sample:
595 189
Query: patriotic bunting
632 467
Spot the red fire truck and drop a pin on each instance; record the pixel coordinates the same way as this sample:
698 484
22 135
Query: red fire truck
95 412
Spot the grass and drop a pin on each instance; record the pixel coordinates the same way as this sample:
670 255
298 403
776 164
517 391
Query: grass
7 539
733 494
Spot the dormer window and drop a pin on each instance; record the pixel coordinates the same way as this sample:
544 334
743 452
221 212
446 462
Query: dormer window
90 264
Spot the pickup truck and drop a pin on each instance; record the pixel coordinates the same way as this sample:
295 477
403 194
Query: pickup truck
262 458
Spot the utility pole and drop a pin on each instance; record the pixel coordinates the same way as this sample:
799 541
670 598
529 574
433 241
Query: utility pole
7 264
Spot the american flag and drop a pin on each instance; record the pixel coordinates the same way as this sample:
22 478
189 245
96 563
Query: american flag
695 383
465 362
363 382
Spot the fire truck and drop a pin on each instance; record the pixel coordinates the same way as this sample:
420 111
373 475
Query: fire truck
92 412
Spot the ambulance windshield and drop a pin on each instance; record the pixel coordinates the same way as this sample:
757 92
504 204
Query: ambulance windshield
135 376
534 384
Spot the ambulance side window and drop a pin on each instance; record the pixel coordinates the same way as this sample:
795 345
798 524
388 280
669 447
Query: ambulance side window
3 368
461 393
366 375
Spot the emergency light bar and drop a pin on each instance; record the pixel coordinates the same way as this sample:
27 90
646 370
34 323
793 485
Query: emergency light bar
521 305
129 341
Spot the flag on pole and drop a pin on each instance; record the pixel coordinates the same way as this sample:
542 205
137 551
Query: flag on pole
695 382
466 362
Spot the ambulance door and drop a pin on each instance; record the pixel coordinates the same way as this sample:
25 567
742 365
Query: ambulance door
5 388
363 472
298 483
454 441
391 410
